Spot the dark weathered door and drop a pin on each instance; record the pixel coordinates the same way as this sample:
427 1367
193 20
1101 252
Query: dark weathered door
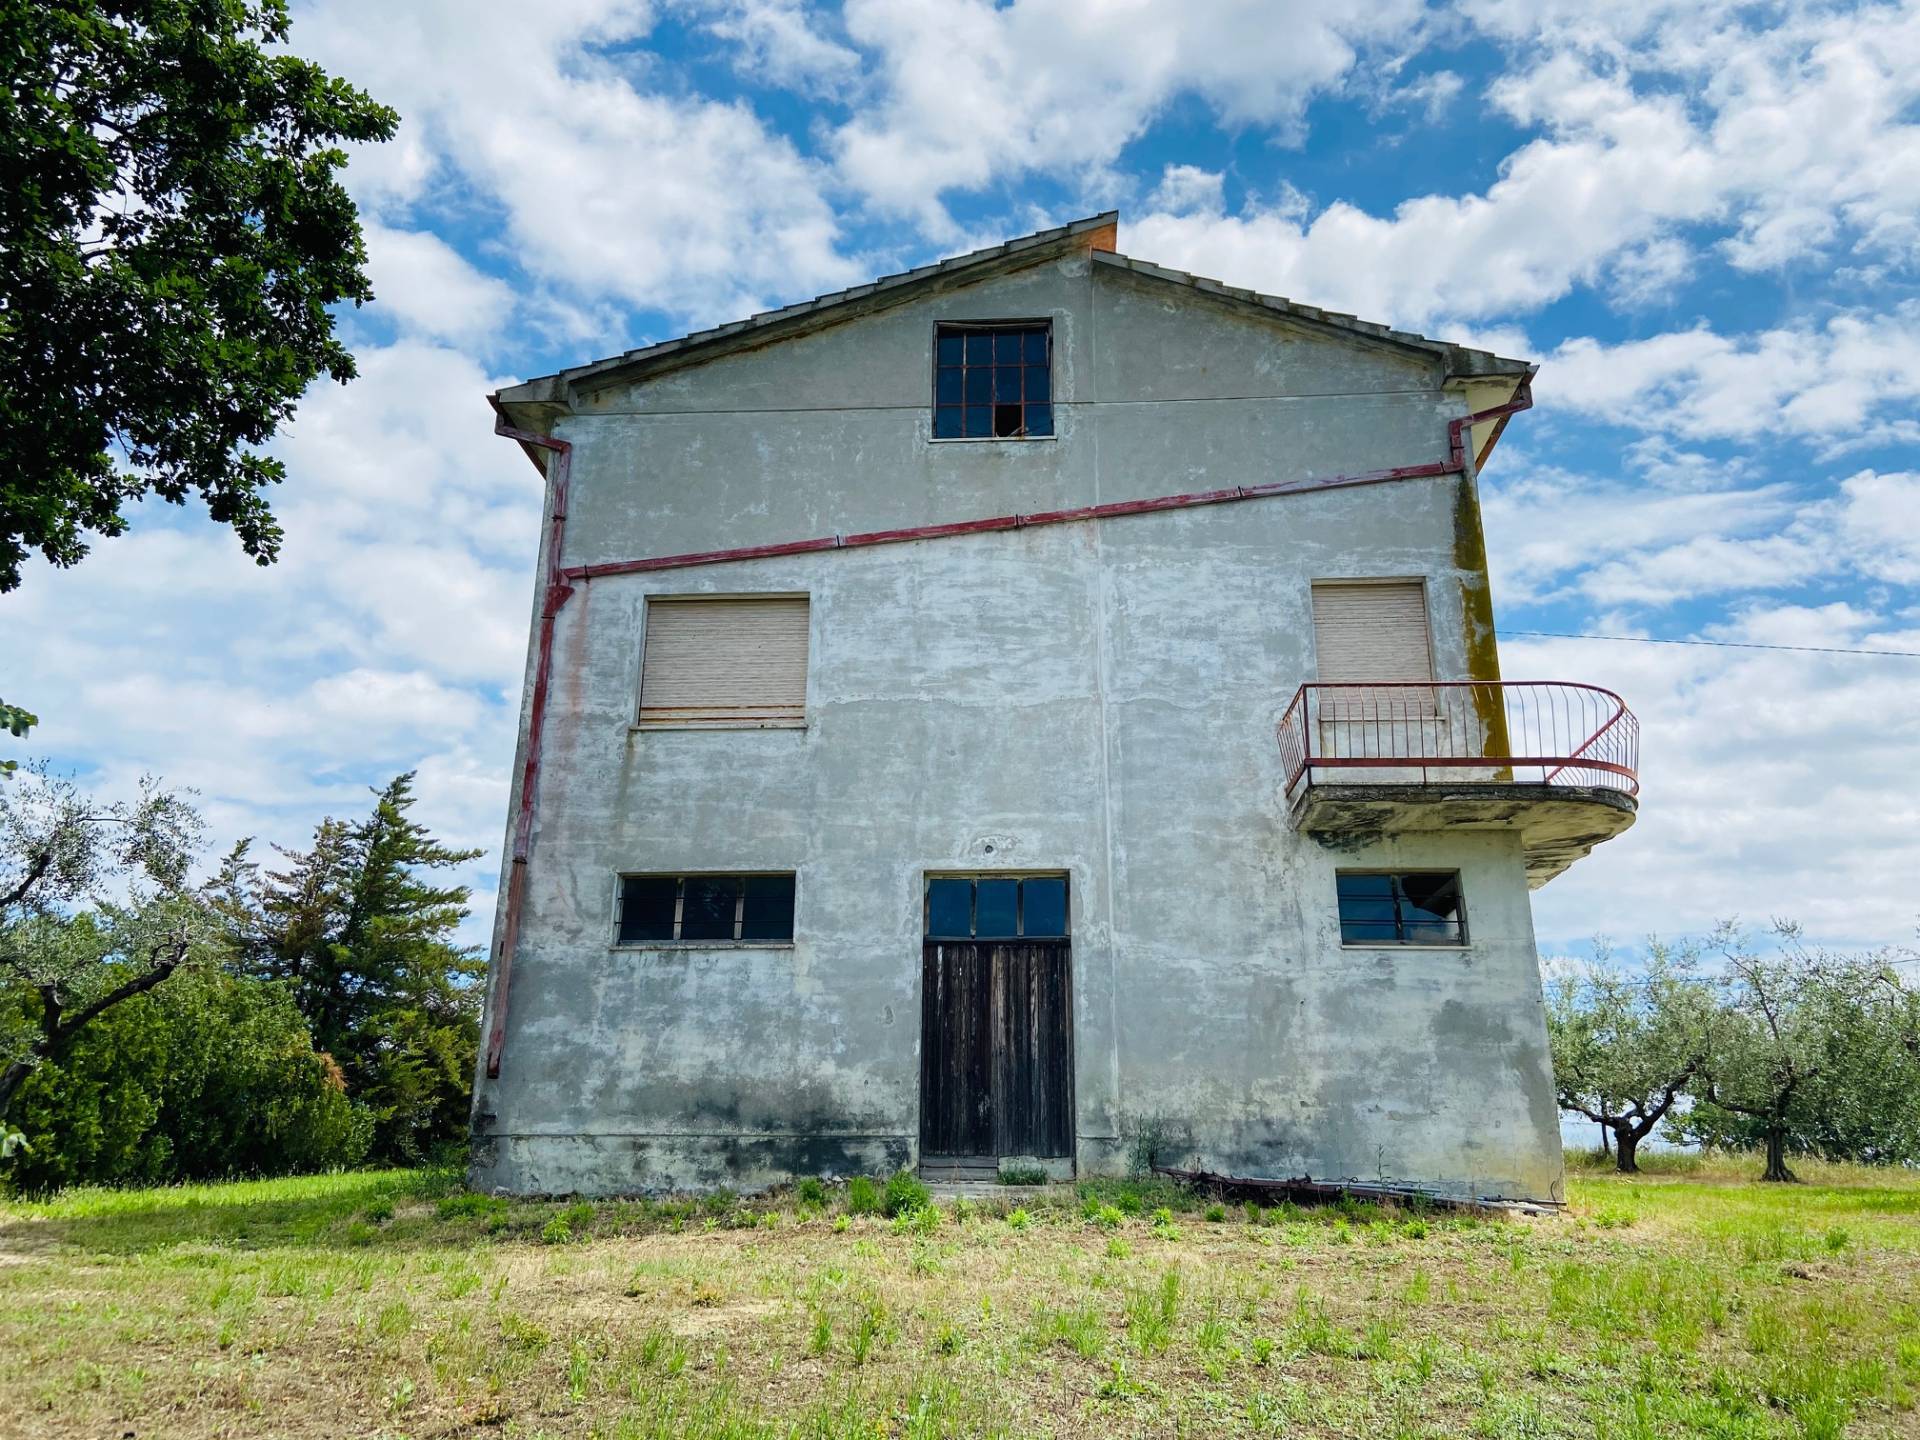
996 1048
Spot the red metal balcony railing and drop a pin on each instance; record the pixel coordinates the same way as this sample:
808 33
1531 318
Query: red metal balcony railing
1520 732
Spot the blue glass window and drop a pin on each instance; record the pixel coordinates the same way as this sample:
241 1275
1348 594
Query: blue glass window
993 907
1401 909
1003 372
996 909
950 908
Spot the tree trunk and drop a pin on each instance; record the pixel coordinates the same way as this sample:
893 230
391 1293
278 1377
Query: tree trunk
1777 1157
11 1080
1626 1148
1605 1149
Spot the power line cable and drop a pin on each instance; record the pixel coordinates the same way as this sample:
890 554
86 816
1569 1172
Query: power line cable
1716 644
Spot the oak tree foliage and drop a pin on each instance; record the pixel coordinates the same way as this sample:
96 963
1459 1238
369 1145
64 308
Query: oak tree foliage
173 231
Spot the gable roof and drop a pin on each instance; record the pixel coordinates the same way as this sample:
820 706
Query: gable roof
1095 234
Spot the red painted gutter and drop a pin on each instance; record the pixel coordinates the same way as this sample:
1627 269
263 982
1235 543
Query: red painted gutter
559 588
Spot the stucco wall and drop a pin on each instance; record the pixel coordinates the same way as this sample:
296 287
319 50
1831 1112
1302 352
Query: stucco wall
1096 698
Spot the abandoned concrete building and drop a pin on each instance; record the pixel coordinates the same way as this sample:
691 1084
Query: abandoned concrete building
1041 706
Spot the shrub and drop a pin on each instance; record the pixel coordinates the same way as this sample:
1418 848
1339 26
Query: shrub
811 1191
1019 1220
1216 1213
921 1220
905 1192
1023 1175
863 1196
208 1076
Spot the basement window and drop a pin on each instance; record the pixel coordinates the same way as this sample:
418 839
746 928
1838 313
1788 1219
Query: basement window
997 907
993 382
691 909
1401 908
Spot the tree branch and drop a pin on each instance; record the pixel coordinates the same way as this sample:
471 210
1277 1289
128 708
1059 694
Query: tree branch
38 868
157 971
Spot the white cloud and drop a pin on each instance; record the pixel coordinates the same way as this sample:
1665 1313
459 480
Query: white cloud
971 94
431 290
1555 536
391 634
1789 136
606 186
778 42
1187 189
1831 380
1765 783
1879 524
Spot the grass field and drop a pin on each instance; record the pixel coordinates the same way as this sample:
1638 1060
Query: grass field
393 1303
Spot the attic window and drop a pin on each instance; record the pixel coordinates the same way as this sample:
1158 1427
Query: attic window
993 382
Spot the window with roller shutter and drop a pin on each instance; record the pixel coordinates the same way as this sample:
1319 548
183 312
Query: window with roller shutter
724 664
1371 630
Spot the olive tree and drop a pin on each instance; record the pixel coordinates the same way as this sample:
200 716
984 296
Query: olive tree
128 862
1812 1052
1626 1047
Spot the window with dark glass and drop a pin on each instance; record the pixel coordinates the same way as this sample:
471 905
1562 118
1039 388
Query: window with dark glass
995 907
1411 908
665 909
992 382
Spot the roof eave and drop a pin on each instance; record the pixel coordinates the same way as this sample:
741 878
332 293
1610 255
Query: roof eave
1094 232
1461 362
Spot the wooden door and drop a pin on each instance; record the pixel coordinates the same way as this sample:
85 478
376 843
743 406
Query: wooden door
996 1048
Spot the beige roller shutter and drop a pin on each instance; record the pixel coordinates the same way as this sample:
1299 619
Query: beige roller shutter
739 664
1371 630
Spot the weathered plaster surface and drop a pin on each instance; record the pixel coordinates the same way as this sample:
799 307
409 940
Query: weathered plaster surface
1096 698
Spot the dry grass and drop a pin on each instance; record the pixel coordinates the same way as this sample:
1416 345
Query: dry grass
393 1304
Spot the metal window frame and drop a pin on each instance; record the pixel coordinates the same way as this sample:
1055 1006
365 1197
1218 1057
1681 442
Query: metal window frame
1039 322
1065 877
1400 942
680 878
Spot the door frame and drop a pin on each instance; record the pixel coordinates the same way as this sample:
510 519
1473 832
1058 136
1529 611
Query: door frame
1069 1023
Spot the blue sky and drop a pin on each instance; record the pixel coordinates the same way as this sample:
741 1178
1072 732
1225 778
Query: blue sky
1703 219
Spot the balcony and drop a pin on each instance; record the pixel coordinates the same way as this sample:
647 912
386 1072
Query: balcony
1554 761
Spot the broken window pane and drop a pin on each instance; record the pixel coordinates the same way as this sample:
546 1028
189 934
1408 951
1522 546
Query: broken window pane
693 908
1401 909
707 907
1043 906
646 908
1002 371
995 909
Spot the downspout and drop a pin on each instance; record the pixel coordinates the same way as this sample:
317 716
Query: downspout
558 473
